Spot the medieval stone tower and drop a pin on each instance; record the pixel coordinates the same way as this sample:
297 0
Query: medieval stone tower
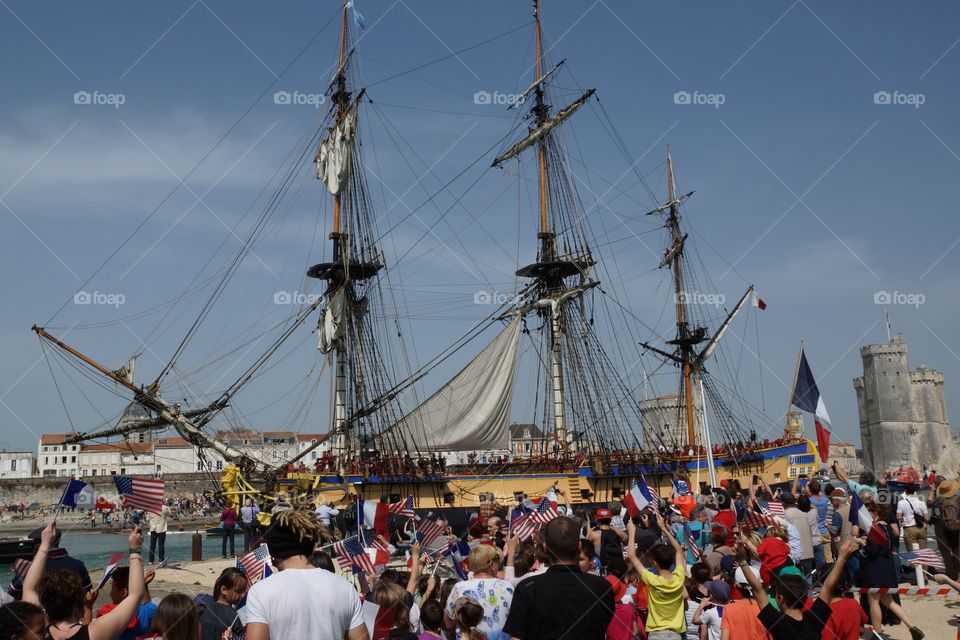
903 416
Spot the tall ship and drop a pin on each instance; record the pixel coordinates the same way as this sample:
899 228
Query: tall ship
555 348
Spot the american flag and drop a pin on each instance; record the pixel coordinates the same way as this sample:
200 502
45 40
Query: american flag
524 527
545 511
754 520
254 562
350 553
145 494
402 508
927 558
692 543
774 508
428 530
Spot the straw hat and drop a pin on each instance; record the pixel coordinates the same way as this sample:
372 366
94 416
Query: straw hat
947 489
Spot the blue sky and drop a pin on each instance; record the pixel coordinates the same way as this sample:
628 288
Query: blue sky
810 185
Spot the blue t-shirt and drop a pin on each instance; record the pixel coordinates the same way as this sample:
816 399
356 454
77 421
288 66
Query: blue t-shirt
145 613
821 503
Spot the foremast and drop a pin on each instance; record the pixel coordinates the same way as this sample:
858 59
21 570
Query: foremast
334 160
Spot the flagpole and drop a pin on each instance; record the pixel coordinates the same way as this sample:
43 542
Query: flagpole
793 390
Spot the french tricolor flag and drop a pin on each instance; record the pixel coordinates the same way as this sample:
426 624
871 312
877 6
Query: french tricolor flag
806 397
860 516
373 514
638 498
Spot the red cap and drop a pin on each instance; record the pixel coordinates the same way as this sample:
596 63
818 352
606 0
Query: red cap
619 588
604 514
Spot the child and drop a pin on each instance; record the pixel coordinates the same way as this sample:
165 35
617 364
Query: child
626 622
431 619
665 614
710 611
847 616
791 622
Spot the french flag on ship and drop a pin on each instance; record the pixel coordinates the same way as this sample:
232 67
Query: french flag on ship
806 397
638 498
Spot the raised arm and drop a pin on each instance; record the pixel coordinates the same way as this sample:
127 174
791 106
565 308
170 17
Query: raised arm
31 582
677 548
414 569
632 547
846 550
566 498
841 474
112 624
759 595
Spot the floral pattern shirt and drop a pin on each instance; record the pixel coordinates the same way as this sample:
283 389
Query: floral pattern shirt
494 595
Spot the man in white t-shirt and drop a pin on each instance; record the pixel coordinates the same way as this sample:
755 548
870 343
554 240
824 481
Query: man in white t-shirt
909 509
301 602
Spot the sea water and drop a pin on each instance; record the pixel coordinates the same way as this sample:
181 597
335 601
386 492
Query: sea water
95 548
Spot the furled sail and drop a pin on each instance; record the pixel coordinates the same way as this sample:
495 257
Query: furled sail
333 156
471 411
330 325
541 131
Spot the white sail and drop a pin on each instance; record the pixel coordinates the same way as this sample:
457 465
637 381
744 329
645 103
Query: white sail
333 156
330 324
471 411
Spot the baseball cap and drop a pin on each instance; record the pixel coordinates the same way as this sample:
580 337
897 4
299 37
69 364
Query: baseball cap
604 514
727 564
719 590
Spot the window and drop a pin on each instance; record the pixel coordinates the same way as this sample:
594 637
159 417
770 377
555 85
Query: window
527 447
776 477
103 472
93 472
219 465
123 471
46 460
73 458
13 465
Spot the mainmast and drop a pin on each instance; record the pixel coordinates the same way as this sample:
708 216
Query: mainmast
334 163
686 339
551 269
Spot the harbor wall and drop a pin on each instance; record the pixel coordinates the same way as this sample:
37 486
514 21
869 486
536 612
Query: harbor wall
47 491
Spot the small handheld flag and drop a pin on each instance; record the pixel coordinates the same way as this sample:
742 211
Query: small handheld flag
79 495
638 498
145 494
254 563
110 568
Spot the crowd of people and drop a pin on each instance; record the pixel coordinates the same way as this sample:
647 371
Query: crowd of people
729 563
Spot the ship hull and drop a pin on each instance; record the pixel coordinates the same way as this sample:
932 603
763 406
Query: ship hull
584 485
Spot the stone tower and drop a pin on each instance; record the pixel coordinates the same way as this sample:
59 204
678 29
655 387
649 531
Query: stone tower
903 416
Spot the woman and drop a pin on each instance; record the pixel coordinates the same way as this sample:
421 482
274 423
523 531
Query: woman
487 588
62 596
22 621
878 568
228 590
176 619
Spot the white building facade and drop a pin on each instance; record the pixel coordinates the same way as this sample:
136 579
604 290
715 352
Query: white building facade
55 458
16 464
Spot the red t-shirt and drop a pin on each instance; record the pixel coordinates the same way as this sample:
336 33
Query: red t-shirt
845 620
728 519
229 518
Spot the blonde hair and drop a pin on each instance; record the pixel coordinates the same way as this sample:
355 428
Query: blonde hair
779 532
481 556
303 524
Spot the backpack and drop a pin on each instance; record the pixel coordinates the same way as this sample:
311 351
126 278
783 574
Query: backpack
610 547
950 513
